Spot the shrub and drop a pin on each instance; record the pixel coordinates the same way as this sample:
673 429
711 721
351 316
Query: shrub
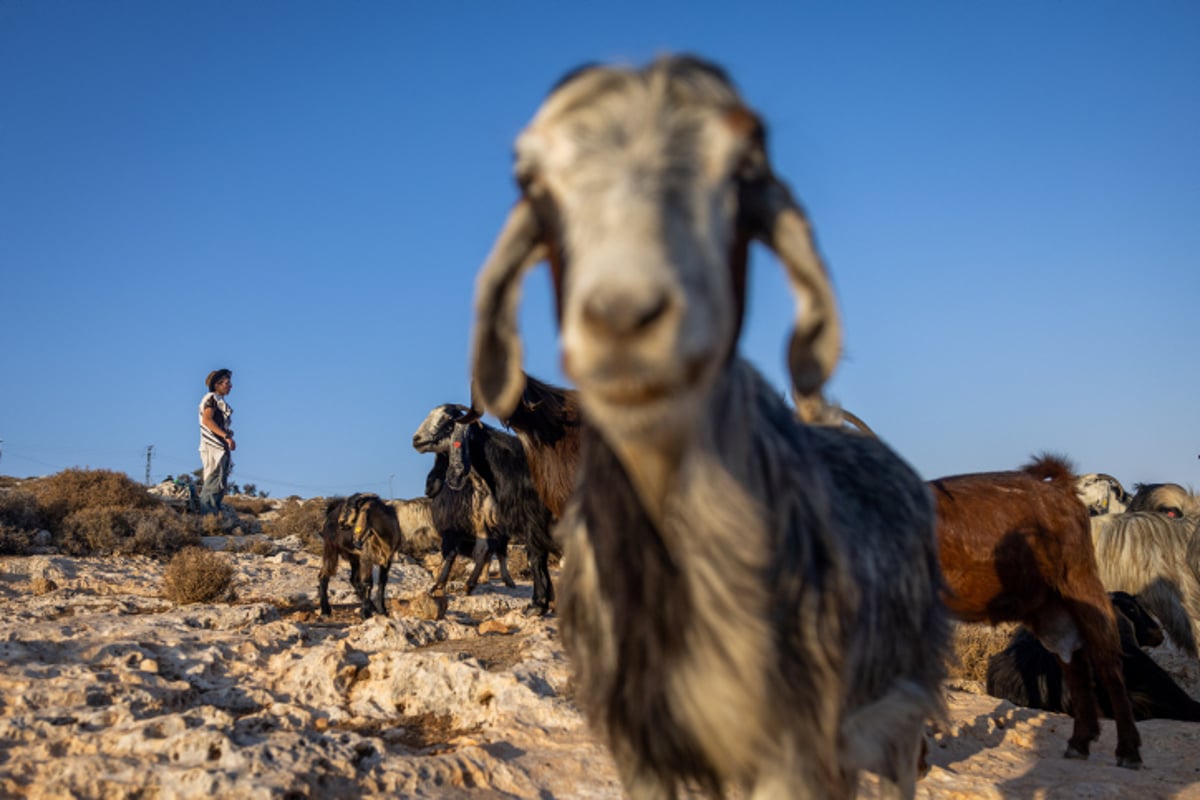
249 505
196 575
302 518
73 490
109 530
973 645
20 519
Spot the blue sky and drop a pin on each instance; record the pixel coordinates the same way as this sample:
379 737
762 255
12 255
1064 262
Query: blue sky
1006 193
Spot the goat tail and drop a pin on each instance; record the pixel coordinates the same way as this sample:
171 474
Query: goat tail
1050 467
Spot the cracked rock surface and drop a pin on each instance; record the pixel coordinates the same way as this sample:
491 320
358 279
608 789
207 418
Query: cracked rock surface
107 690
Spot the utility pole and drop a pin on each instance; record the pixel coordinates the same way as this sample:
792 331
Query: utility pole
149 449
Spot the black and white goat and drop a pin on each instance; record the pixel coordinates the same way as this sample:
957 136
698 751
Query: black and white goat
1028 674
483 496
746 600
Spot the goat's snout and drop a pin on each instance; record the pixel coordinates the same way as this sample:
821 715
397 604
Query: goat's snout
624 312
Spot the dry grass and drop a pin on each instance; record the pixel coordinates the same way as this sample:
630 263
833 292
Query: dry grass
973 645
197 575
73 490
249 505
114 530
302 518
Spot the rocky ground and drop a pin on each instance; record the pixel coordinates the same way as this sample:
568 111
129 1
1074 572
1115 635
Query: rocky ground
107 690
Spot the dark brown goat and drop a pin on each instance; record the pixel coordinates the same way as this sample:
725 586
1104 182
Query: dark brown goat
547 422
1016 546
365 531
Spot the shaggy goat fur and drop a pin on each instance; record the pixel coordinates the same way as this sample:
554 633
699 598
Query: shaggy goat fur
746 601
547 421
463 511
1014 546
1164 498
1156 557
1028 674
416 522
482 459
364 530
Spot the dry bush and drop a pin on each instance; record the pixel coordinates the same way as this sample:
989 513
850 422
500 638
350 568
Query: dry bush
303 518
249 505
20 519
252 546
973 644
74 490
196 575
112 530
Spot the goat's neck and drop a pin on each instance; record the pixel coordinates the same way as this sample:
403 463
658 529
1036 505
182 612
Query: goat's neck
721 436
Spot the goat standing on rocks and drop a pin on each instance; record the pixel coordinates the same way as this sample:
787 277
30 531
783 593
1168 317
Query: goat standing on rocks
482 496
746 601
364 530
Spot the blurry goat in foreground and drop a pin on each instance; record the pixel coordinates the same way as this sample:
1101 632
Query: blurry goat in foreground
746 600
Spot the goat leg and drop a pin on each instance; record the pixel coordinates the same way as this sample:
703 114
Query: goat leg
323 595
444 575
502 557
482 555
543 589
381 590
329 561
1084 706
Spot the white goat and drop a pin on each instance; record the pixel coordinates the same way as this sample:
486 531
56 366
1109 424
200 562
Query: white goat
1101 493
1156 557
747 601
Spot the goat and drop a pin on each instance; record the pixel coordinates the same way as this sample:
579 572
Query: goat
416 522
364 530
1102 494
1026 673
462 508
547 421
1156 557
493 463
746 600
1014 546
1165 498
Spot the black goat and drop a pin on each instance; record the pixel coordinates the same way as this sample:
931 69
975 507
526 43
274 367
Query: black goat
1028 674
471 454
464 514
363 529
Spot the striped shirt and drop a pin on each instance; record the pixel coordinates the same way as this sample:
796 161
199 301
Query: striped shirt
222 415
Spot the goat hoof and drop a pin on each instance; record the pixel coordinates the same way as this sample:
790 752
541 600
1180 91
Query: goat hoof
535 611
1129 763
1075 752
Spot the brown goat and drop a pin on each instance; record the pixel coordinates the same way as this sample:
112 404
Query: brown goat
547 422
1016 546
364 530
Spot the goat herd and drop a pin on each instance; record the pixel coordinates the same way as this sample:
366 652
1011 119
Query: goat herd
750 597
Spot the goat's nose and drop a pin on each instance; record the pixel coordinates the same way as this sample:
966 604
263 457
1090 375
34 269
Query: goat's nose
621 312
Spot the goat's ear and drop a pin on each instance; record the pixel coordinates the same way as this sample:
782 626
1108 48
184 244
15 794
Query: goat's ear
778 221
496 344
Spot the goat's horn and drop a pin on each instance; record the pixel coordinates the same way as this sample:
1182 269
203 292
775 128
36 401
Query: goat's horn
816 342
496 344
